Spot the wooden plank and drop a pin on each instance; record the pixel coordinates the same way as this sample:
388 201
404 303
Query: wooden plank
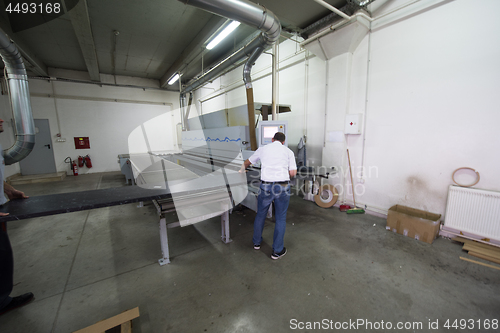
483 246
126 327
465 238
109 323
485 257
480 263
460 239
482 250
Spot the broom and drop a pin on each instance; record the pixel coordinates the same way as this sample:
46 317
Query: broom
353 210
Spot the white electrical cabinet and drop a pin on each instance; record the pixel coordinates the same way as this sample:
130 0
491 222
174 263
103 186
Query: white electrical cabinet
353 123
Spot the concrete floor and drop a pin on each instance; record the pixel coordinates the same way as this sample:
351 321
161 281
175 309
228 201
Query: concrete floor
87 266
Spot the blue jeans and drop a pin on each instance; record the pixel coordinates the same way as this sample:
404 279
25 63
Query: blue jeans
280 195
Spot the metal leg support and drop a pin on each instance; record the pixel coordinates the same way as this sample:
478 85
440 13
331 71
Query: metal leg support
164 242
224 219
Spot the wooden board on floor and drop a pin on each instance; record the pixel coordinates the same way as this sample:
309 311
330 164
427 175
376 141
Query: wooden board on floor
123 319
480 250
485 251
485 257
483 242
480 263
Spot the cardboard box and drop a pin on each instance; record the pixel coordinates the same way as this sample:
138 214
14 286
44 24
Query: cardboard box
414 223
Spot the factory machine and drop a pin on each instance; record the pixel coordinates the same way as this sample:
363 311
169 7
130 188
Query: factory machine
204 179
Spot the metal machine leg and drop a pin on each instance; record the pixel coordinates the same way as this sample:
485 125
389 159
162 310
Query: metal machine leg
224 219
164 242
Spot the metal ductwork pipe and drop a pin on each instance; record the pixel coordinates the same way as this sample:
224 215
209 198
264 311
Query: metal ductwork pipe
255 16
243 11
20 100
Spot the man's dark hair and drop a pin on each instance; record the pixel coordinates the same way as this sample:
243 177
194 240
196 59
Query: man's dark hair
279 137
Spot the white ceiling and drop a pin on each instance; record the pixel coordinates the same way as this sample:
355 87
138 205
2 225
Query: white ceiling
147 39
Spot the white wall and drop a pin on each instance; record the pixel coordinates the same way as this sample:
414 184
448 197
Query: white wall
432 107
425 81
91 110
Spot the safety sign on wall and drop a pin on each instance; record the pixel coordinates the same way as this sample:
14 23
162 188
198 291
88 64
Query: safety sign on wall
82 143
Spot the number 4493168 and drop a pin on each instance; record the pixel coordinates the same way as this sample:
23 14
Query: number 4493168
472 324
33 8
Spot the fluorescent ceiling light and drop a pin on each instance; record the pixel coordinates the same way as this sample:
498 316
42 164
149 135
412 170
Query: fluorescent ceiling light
227 30
173 79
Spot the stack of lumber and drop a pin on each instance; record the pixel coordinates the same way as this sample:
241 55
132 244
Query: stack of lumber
480 250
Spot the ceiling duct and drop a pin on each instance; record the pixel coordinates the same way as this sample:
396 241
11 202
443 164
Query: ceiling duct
328 20
360 3
340 38
20 100
245 12
250 14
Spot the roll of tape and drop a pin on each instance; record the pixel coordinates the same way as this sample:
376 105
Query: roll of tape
327 196
465 168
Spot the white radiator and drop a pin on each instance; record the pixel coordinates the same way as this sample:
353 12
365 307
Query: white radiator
473 211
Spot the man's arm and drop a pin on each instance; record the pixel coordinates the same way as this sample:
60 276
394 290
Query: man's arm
245 165
12 193
292 166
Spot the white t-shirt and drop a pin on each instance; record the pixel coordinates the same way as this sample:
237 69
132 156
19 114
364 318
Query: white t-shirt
276 160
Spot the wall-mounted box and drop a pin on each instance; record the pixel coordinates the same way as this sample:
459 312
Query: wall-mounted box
353 123
82 143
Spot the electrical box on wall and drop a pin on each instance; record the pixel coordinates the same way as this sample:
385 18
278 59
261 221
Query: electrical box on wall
82 143
353 123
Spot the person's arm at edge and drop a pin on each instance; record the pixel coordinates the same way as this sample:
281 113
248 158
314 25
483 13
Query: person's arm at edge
12 193
292 166
245 165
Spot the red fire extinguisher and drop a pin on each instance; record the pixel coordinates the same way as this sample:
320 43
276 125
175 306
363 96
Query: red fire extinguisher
80 161
73 165
75 169
88 162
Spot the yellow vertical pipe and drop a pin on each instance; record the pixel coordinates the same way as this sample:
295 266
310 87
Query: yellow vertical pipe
251 119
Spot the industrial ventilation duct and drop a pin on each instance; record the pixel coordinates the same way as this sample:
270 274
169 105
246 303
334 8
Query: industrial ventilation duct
245 12
20 100
255 16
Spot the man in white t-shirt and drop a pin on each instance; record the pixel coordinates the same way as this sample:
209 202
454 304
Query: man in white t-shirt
277 167
8 303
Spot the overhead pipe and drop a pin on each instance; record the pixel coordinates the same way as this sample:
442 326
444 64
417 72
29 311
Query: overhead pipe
255 16
333 9
358 14
20 100
234 59
243 11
